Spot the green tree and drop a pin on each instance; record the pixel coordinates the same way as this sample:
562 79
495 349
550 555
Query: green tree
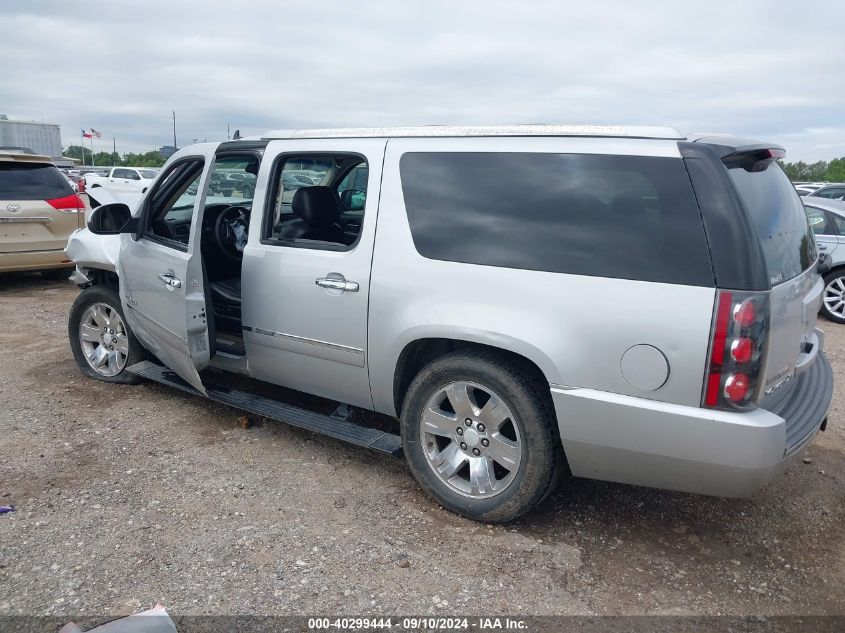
795 171
147 159
813 172
835 170
78 152
817 171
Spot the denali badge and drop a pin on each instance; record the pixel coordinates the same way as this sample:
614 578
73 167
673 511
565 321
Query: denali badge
779 379
13 208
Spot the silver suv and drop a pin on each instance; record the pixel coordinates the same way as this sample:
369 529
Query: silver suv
627 303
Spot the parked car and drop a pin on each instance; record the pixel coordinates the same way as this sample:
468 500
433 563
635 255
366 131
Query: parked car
805 190
630 303
835 191
827 219
38 211
127 183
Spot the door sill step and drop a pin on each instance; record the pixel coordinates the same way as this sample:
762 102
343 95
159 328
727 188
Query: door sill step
339 429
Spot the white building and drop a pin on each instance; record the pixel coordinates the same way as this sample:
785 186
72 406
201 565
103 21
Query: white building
41 138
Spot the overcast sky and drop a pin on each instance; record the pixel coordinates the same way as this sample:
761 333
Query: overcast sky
769 69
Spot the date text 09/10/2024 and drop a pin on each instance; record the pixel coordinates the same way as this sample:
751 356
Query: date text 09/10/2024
417 624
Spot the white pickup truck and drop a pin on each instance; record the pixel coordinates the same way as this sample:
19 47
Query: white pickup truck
125 183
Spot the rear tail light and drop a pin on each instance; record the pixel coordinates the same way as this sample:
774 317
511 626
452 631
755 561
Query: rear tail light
68 204
737 344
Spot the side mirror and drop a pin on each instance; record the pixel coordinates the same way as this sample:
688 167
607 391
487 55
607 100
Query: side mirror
112 219
353 199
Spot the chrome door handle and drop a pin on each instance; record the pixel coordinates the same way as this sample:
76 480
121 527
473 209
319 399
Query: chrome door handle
336 281
171 280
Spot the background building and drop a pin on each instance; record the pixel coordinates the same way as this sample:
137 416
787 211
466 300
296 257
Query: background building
41 138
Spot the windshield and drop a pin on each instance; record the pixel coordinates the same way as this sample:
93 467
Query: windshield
149 174
778 215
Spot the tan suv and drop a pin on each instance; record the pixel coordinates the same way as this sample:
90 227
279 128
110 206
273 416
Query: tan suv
38 212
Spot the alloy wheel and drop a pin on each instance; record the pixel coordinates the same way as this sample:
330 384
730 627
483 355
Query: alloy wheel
471 440
104 340
834 297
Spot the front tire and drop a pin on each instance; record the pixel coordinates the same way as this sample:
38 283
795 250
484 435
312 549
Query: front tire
833 297
479 436
100 339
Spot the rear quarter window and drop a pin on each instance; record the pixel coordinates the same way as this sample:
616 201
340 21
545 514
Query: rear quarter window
32 181
627 217
778 215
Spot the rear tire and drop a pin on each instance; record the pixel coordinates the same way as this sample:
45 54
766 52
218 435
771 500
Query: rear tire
480 436
833 296
100 339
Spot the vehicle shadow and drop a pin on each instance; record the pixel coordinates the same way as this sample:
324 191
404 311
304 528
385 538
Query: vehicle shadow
794 514
34 280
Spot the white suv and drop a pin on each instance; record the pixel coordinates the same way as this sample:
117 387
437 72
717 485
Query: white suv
630 303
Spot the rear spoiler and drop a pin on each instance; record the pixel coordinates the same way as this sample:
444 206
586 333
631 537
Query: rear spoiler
749 155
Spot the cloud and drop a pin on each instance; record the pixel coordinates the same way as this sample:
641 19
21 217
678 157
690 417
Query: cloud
751 68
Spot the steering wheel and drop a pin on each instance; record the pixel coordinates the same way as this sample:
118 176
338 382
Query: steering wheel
231 230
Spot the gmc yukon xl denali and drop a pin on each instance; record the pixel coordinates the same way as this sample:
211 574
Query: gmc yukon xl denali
626 303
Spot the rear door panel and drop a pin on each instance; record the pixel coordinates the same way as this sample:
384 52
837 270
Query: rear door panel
35 226
794 309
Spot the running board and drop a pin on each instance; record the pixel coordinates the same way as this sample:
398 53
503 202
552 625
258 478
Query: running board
302 418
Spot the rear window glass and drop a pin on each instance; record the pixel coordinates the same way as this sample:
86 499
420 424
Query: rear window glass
608 216
779 217
26 181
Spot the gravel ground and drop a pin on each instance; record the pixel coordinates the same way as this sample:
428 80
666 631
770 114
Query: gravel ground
128 496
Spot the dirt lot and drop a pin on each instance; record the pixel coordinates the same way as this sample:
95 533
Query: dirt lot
128 496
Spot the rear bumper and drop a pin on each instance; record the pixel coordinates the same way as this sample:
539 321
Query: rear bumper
34 260
644 442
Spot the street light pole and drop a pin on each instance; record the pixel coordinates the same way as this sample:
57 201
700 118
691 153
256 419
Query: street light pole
174 129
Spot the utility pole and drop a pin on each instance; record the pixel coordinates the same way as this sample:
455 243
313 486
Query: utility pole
174 129
113 150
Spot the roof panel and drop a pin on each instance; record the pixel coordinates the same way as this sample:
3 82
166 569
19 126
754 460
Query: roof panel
483 130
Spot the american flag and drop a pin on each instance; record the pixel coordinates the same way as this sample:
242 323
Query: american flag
95 133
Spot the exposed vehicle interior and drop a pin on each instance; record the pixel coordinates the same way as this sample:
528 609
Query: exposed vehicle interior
315 201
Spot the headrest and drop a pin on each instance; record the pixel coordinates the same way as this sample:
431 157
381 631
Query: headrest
317 206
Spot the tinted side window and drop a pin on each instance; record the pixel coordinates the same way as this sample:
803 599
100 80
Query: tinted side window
818 220
355 183
839 223
834 193
22 181
607 216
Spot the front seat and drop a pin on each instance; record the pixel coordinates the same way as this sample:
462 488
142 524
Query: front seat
226 301
318 210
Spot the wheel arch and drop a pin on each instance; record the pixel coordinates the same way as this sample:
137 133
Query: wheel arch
85 277
836 268
417 353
